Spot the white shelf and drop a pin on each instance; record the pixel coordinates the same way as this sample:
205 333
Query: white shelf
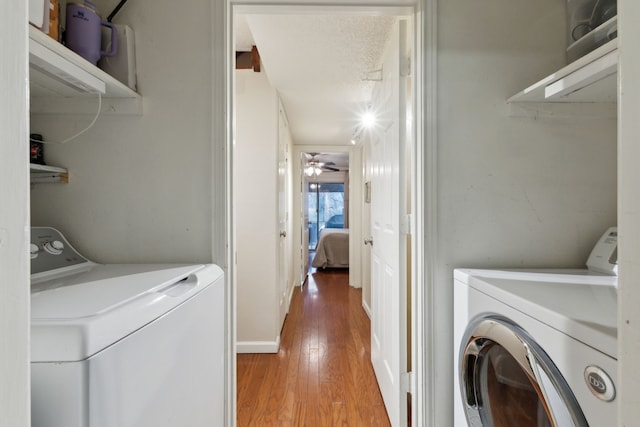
56 73
41 174
591 78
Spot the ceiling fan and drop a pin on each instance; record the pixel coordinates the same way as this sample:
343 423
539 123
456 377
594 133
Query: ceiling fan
314 167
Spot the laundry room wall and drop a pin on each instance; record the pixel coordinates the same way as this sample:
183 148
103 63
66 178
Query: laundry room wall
140 186
512 191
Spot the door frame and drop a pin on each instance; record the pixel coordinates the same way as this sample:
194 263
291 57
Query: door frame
425 303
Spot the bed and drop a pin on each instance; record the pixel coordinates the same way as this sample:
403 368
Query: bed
333 249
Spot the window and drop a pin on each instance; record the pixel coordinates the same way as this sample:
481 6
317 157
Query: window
325 204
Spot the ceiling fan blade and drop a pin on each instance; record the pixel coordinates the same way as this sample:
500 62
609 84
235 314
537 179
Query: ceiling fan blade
331 169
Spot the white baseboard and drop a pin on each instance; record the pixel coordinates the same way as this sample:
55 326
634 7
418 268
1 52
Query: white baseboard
366 308
293 288
258 346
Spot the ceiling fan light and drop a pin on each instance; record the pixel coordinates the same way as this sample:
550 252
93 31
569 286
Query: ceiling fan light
313 170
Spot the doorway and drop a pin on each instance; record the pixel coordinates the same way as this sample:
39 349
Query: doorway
344 208
415 88
325 201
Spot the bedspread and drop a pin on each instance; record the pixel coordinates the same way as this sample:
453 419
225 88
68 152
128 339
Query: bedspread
332 249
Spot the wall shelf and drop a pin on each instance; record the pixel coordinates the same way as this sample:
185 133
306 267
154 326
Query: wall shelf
57 73
44 174
590 79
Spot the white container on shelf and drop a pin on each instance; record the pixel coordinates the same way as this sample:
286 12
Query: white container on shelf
37 10
590 24
122 65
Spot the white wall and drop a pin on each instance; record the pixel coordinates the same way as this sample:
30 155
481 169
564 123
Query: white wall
512 192
141 186
256 209
14 218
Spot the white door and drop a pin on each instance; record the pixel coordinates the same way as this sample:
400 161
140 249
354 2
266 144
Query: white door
283 264
388 267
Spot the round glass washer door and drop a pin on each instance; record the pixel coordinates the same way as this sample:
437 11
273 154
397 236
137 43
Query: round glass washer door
506 379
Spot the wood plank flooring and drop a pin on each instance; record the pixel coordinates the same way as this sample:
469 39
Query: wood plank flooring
322 375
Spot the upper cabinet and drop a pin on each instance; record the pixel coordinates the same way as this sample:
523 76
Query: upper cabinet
57 74
591 78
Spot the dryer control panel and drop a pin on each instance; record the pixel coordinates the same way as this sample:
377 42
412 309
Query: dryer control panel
51 251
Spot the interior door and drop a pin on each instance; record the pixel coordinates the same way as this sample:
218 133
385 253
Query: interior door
388 272
283 265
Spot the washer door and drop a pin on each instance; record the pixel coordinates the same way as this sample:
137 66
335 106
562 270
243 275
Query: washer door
506 379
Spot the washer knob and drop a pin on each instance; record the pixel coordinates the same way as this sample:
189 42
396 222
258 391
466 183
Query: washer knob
599 383
33 250
54 248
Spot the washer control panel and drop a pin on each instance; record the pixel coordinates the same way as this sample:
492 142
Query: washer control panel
49 250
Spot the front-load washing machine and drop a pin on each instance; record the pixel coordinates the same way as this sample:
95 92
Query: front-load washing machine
123 345
534 348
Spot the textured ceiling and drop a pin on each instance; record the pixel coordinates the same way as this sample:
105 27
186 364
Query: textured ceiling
319 65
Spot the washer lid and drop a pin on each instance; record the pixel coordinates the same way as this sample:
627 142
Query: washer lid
73 318
578 304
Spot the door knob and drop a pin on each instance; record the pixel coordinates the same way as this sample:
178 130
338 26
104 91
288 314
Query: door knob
283 234
368 241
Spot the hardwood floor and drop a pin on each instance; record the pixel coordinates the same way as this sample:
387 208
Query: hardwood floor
322 375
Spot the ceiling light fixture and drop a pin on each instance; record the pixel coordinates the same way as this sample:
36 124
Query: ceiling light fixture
313 169
368 119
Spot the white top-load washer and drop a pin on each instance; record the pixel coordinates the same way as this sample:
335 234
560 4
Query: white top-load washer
124 344
535 348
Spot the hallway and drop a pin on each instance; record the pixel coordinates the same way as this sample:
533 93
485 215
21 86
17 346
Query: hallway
322 375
